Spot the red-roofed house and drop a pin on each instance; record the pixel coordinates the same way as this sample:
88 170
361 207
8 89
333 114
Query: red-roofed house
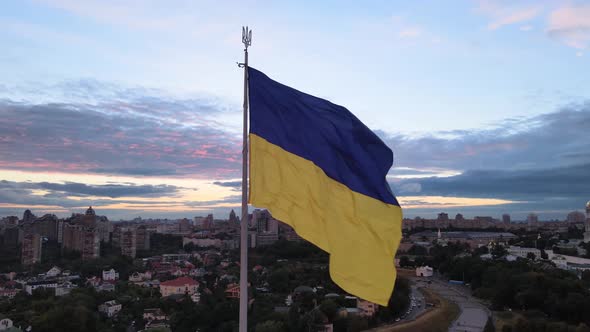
182 285
232 291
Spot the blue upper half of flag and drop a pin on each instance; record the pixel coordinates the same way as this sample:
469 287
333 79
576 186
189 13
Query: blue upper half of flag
326 134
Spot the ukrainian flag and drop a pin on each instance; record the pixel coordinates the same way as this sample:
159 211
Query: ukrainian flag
318 168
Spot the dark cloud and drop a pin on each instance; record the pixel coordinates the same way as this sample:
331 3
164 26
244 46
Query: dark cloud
569 181
58 193
118 132
544 141
235 185
134 171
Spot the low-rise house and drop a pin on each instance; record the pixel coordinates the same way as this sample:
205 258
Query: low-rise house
140 276
64 288
196 297
232 291
182 285
424 271
93 281
105 287
154 314
32 285
199 272
367 308
53 272
110 275
5 323
110 308
8 293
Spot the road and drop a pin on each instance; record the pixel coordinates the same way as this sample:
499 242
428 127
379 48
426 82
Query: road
417 299
473 316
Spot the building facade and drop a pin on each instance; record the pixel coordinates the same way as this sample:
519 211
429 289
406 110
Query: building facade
31 249
179 286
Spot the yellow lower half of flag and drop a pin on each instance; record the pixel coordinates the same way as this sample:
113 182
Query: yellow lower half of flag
361 233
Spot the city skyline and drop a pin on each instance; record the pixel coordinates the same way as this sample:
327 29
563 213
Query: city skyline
135 109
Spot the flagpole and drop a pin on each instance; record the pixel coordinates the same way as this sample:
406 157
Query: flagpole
247 41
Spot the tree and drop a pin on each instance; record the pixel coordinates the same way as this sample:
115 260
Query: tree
279 280
270 326
330 309
531 256
498 251
544 254
404 261
417 250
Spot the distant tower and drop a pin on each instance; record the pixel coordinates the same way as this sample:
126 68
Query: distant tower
439 235
232 217
532 221
587 232
28 216
506 218
90 212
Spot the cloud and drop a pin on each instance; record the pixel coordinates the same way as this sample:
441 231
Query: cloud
108 129
538 163
525 185
507 13
410 32
544 141
235 185
571 25
60 190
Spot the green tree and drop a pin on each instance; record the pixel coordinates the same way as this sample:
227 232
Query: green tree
404 261
270 326
498 251
279 280
330 309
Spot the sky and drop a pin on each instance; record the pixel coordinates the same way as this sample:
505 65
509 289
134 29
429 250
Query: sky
134 107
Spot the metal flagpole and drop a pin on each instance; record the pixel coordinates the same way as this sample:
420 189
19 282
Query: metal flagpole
247 40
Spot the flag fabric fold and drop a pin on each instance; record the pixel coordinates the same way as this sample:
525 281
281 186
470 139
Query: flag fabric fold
318 168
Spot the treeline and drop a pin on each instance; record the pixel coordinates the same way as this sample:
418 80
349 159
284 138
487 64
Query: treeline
311 310
522 285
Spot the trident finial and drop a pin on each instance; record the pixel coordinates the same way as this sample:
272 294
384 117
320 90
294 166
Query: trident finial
246 36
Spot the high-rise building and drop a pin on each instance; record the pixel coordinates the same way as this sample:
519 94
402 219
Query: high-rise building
587 227
128 241
80 233
28 216
506 218
459 217
13 236
532 221
576 216
233 218
31 249
46 226
104 228
267 227
443 217
143 238
184 226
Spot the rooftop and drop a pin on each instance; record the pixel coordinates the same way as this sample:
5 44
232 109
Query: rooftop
182 281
